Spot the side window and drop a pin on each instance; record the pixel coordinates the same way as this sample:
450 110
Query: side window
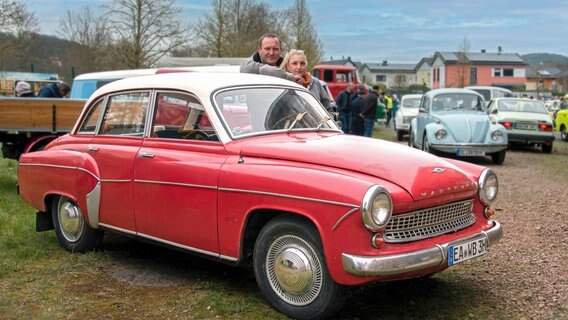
181 116
89 125
125 114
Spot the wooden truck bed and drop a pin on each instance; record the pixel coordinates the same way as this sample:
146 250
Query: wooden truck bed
39 114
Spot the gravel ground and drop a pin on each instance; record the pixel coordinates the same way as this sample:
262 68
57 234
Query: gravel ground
531 273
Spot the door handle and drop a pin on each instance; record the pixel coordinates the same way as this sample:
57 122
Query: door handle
92 148
146 155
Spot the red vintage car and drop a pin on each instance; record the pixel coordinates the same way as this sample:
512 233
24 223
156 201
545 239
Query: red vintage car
257 170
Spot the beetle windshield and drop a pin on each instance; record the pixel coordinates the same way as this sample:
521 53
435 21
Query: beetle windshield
457 101
262 110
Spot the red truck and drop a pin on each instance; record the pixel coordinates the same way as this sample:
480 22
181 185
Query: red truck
336 76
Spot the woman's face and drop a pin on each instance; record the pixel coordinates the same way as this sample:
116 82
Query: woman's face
297 64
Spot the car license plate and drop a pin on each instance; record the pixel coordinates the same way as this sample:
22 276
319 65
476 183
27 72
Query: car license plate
461 252
525 126
470 152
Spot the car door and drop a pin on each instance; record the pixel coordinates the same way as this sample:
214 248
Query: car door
176 175
114 149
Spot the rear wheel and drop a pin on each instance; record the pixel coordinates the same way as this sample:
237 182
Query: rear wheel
291 271
546 148
563 133
498 157
73 232
399 135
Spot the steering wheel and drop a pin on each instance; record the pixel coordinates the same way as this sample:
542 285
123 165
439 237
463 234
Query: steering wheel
275 126
196 135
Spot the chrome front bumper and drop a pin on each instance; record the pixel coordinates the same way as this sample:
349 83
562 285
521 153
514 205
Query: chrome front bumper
411 261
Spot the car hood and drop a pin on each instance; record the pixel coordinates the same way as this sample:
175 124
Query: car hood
409 112
471 127
421 174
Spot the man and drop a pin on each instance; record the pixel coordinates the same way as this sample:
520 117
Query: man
343 102
369 111
54 90
267 59
388 103
357 123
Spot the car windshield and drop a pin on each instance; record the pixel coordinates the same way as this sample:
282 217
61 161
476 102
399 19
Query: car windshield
246 111
521 106
457 101
412 103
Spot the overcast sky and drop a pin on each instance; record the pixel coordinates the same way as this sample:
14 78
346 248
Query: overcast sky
401 31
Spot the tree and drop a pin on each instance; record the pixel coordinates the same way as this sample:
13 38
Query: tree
20 23
301 33
145 30
462 74
233 27
90 38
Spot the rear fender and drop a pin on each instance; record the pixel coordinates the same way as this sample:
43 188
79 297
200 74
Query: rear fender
44 174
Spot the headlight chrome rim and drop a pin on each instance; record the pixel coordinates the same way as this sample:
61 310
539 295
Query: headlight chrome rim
496 135
367 208
488 186
441 134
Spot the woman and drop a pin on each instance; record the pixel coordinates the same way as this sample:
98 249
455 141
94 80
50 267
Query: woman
296 63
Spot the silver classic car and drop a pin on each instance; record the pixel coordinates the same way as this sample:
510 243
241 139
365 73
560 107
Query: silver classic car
455 121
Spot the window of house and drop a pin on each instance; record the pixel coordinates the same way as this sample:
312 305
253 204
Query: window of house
503 72
508 72
380 78
497 72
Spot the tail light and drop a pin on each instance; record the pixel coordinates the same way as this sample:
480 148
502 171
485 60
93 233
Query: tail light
507 125
546 127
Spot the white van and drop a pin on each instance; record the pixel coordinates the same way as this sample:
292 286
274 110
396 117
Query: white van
489 92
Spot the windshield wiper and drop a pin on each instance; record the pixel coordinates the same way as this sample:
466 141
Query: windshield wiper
325 119
299 117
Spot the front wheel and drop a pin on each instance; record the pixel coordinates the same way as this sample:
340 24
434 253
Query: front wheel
290 269
73 232
498 157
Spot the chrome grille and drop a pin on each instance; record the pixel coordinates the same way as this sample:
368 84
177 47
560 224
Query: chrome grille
429 222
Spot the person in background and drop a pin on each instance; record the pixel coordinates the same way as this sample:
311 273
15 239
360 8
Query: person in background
395 103
388 102
357 123
267 59
343 101
369 111
23 89
54 90
296 63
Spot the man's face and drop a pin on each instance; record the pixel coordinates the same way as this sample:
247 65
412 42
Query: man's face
269 51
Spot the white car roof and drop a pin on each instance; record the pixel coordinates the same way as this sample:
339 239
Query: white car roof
200 83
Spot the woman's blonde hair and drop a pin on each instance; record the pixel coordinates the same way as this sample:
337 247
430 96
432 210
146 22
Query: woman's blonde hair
289 55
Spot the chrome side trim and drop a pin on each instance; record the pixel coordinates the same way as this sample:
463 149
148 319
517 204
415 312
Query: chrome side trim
46 165
290 197
108 226
343 218
176 184
395 264
90 173
116 180
93 203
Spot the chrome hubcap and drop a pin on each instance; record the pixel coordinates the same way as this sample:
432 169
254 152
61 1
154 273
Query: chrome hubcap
294 270
70 220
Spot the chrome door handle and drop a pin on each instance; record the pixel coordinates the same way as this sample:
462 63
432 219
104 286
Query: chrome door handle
92 148
146 155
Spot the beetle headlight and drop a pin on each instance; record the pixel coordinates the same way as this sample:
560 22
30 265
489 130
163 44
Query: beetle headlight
376 208
488 186
441 134
496 135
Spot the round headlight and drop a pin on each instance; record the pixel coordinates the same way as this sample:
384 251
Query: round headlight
496 135
376 208
488 186
441 134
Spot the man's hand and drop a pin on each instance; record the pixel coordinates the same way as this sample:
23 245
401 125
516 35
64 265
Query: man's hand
298 79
